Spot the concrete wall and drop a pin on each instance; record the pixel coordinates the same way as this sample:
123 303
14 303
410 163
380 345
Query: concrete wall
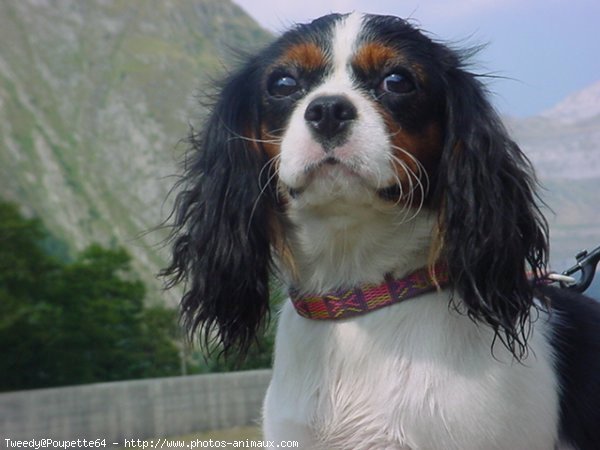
137 409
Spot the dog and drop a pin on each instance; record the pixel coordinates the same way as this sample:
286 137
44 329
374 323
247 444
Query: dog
360 162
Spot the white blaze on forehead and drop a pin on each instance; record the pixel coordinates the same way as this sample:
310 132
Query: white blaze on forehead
345 35
366 150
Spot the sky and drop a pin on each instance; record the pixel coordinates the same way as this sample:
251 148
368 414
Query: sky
544 50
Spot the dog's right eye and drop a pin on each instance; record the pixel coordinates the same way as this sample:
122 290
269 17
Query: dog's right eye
398 83
283 86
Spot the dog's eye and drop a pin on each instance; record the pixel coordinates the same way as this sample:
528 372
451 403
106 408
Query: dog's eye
283 86
398 83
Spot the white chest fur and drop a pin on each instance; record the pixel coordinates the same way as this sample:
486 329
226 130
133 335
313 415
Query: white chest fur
416 375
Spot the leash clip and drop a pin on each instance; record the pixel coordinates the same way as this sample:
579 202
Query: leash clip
586 264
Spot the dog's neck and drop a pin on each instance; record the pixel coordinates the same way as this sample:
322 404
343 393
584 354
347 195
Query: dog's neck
344 244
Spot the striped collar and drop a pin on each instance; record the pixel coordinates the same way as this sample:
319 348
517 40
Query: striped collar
345 303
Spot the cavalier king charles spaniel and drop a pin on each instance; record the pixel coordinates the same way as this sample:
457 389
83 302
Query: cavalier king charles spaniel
359 161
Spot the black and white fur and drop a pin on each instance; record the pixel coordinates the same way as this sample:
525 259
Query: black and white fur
354 147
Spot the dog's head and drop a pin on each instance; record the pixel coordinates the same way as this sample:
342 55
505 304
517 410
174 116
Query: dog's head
347 114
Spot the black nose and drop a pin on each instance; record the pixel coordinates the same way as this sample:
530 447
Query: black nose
329 118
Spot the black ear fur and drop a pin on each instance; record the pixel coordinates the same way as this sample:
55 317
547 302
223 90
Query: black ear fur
223 222
492 230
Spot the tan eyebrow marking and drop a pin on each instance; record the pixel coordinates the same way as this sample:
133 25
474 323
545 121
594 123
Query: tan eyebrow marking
307 55
373 56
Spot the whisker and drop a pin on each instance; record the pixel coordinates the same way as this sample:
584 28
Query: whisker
415 181
263 188
269 166
256 140
235 135
422 173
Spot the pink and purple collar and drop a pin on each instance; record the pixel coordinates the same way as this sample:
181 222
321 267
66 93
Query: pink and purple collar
344 303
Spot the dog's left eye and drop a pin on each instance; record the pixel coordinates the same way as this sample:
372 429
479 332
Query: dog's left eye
283 86
398 83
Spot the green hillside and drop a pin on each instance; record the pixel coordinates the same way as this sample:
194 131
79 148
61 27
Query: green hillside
95 96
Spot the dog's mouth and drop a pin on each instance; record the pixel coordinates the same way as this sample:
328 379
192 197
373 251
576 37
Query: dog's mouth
334 168
327 168
389 194
326 163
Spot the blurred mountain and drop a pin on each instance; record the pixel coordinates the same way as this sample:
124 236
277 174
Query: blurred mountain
578 107
564 145
564 142
94 98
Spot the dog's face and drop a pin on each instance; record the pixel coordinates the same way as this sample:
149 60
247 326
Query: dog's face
341 117
353 108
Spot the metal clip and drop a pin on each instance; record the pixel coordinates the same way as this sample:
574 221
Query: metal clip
586 264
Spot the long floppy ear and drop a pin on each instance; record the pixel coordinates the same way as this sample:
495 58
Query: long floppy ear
492 233
223 222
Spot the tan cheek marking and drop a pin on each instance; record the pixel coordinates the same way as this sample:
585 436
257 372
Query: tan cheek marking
270 142
306 55
373 57
425 147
